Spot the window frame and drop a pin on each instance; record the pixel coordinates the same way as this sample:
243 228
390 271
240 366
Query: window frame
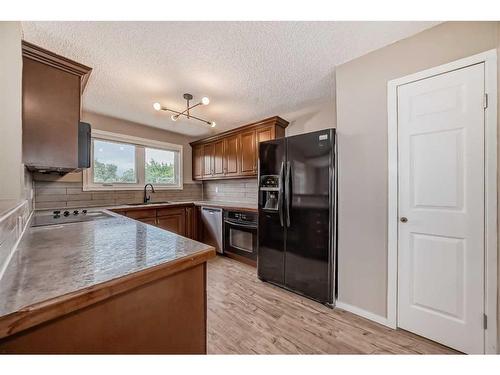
140 168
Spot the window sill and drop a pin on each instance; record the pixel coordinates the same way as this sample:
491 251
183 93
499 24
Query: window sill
129 188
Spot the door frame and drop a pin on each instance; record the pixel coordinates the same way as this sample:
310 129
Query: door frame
489 58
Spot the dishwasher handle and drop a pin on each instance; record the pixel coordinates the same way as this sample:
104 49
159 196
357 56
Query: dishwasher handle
212 211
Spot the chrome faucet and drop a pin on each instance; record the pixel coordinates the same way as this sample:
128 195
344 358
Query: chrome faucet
147 198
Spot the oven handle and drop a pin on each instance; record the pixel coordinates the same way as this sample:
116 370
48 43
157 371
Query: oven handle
240 225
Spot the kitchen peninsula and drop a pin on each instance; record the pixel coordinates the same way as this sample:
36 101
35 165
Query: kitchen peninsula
85 287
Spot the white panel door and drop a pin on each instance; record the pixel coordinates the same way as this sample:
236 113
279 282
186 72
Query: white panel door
441 208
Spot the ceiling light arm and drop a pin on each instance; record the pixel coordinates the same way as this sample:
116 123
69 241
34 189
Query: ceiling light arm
204 101
188 109
184 114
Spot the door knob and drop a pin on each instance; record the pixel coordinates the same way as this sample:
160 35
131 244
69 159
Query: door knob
403 219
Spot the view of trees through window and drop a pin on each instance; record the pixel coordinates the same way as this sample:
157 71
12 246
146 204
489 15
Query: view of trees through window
159 165
116 163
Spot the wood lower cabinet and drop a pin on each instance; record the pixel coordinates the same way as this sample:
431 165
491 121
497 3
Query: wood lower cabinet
179 220
161 315
234 153
172 219
149 221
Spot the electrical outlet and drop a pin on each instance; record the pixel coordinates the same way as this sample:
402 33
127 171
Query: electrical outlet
216 189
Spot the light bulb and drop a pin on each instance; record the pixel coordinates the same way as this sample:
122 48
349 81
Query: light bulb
157 106
212 124
174 117
205 100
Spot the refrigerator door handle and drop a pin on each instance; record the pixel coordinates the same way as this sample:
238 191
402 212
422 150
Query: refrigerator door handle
287 193
280 193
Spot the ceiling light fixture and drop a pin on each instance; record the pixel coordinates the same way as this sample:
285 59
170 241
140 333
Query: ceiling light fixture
187 112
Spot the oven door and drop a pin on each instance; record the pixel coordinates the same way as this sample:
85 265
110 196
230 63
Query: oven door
240 239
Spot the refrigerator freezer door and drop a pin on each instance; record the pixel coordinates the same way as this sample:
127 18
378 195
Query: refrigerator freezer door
308 259
271 233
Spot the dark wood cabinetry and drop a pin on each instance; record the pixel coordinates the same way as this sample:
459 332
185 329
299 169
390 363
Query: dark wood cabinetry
218 158
234 153
248 155
180 220
231 152
198 162
172 219
52 89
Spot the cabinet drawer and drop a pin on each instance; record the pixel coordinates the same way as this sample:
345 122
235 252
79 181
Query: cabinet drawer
170 211
142 214
151 221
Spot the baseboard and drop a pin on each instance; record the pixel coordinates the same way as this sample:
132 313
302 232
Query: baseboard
364 313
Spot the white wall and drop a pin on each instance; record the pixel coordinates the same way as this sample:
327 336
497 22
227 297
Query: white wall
11 168
320 116
362 128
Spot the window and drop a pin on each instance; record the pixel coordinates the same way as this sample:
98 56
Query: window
122 162
113 162
160 166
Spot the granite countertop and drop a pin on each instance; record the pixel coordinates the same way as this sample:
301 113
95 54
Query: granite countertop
227 205
54 261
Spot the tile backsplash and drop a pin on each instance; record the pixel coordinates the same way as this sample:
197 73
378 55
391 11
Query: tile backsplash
237 190
12 224
50 194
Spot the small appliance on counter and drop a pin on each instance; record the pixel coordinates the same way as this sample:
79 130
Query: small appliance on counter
240 235
297 214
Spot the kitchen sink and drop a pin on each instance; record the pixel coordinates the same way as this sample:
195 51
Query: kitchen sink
145 204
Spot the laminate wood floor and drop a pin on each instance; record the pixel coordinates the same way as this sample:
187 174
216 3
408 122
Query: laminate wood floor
248 316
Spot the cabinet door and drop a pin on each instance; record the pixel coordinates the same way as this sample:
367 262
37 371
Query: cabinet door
231 156
197 162
151 221
51 112
247 153
173 220
190 223
208 160
265 134
218 158
145 213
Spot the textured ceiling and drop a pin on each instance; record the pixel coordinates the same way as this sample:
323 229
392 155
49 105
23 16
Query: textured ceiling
250 70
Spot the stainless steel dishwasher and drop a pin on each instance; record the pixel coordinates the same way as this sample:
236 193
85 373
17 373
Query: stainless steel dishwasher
211 219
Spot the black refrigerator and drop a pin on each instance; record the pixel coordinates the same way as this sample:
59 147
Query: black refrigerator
297 214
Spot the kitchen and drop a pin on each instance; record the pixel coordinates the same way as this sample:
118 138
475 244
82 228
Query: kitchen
228 219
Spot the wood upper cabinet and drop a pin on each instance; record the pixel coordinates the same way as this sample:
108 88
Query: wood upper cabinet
218 158
248 159
265 133
231 160
234 153
198 162
208 160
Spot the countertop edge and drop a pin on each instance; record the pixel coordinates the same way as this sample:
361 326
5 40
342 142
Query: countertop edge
53 308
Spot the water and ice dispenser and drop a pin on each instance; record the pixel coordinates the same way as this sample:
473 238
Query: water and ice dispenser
269 190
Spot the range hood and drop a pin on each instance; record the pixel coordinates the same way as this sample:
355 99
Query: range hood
54 138
83 145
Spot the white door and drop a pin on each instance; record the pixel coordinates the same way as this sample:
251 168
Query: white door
441 208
